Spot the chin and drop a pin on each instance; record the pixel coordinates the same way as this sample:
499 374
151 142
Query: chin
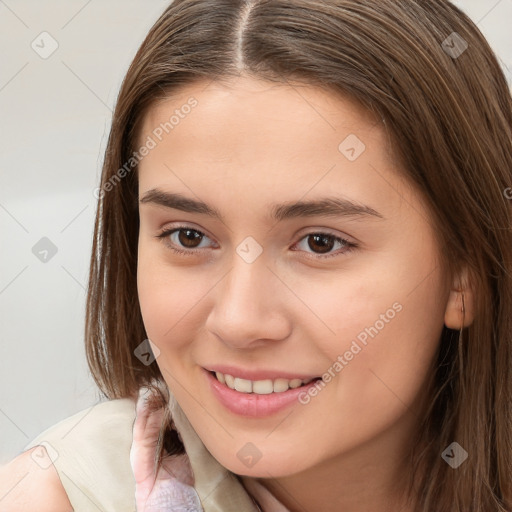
264 467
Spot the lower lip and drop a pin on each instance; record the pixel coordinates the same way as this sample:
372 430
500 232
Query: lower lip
252 404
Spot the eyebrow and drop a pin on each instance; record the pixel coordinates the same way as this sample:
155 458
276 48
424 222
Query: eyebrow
325 206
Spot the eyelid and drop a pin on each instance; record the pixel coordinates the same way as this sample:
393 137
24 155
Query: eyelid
186 225
311 230
326 231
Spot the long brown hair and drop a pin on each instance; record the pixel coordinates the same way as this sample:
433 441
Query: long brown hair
423 68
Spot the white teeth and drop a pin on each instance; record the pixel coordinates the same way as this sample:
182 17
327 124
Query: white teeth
295 383
260 387
281 385
243 385
230 381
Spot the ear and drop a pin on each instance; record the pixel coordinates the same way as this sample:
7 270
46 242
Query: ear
460 309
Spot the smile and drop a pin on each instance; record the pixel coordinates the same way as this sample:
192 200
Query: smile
256 398
259 387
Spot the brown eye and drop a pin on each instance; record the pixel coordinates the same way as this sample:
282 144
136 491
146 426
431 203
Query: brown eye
187 241
321 243
189 237
183 240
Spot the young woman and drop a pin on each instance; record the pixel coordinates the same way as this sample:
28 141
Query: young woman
302 257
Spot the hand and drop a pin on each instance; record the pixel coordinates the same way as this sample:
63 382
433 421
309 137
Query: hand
171 489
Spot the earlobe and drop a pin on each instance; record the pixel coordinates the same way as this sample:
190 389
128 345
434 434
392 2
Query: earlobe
460 308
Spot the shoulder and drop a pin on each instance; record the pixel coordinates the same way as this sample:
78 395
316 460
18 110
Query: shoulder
89 453
26 484
91 423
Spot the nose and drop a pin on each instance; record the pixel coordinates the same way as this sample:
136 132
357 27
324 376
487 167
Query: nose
249 306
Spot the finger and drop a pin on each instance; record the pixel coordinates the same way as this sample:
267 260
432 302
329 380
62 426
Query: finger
148 418
171 491
146 429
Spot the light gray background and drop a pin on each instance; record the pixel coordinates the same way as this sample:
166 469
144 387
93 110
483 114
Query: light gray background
55 117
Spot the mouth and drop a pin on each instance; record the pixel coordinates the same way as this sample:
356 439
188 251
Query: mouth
257 398
260 387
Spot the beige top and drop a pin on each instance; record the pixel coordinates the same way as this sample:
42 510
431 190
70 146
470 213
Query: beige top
91 453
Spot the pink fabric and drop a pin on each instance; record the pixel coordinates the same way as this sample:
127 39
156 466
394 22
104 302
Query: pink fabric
175 486
179 495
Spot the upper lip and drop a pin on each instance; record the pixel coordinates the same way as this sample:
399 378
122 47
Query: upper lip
257 374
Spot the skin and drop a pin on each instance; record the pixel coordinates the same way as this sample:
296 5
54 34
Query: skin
246 145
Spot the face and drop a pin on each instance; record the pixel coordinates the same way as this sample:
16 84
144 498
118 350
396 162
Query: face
235 279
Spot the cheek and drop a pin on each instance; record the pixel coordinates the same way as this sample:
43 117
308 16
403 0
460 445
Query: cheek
385 323
394 357
162 296
171 300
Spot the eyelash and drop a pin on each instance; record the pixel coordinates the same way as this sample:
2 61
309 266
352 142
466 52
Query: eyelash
163 235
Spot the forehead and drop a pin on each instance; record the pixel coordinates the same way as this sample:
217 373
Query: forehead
251 138
245 95
246 118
